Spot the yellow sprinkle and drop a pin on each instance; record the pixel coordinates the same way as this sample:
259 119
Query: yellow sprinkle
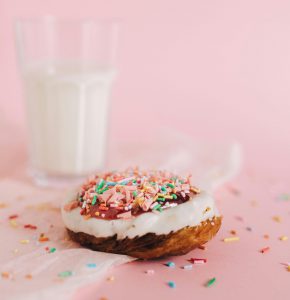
24 241
283 238
277 219
231 239
288 268
195 189
168 197
97 213
13 223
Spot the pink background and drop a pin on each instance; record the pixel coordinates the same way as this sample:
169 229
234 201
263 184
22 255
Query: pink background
215 70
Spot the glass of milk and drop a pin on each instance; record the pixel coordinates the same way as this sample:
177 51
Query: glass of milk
68 69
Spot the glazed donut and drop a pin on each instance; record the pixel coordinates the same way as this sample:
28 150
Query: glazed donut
144 214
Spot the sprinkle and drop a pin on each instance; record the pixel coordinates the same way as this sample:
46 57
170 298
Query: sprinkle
231 239
210 282
94 200
163 189
104 298
233 232
288 268
28 276
24 241
156 207
266 236
277 219
283 238
198 261
249 228
172 284
111 278
52 250
65 274
174 196
13 217
187 267
170 264
29 226
97 213
150 272
91 265
170 185
101 184
264 250
5 275
13 223
43 238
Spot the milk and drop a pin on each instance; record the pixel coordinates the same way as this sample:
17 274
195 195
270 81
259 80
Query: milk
67 108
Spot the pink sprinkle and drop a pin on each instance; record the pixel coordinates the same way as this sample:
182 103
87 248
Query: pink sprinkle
125 215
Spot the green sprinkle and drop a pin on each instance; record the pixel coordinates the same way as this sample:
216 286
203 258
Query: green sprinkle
160 209
103 190
210 282
174 196
94 200
157 207
135 194
163 189
101 184
134 181
170 185
160 199
52 250
65 274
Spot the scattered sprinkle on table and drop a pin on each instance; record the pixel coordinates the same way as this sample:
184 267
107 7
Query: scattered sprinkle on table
111 278
13 223
91 265
65 274
283 238
266 236
52 250
171 284
288 268
264 250
29 226
249 228
210 282
15 216
28 276
104 298
187 267
277 219
150 272
231 239
198 261
170 264
233 232
5 275
24 241
43 238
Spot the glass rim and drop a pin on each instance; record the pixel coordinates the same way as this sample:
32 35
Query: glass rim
67 20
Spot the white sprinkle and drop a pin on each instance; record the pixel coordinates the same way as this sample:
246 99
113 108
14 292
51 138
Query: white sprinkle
187 267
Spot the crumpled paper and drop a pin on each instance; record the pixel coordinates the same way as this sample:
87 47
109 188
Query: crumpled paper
31 269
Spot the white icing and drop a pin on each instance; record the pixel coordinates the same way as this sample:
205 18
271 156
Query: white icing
191 213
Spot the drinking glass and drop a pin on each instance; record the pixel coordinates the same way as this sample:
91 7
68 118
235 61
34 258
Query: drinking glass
68 69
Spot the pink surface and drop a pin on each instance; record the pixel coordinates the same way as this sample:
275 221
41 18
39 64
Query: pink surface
215 70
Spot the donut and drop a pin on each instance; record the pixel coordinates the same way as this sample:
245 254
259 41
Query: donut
146 214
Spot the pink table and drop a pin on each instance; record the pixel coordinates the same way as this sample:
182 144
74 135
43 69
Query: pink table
256 204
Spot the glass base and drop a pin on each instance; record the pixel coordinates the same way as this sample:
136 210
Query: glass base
56 181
